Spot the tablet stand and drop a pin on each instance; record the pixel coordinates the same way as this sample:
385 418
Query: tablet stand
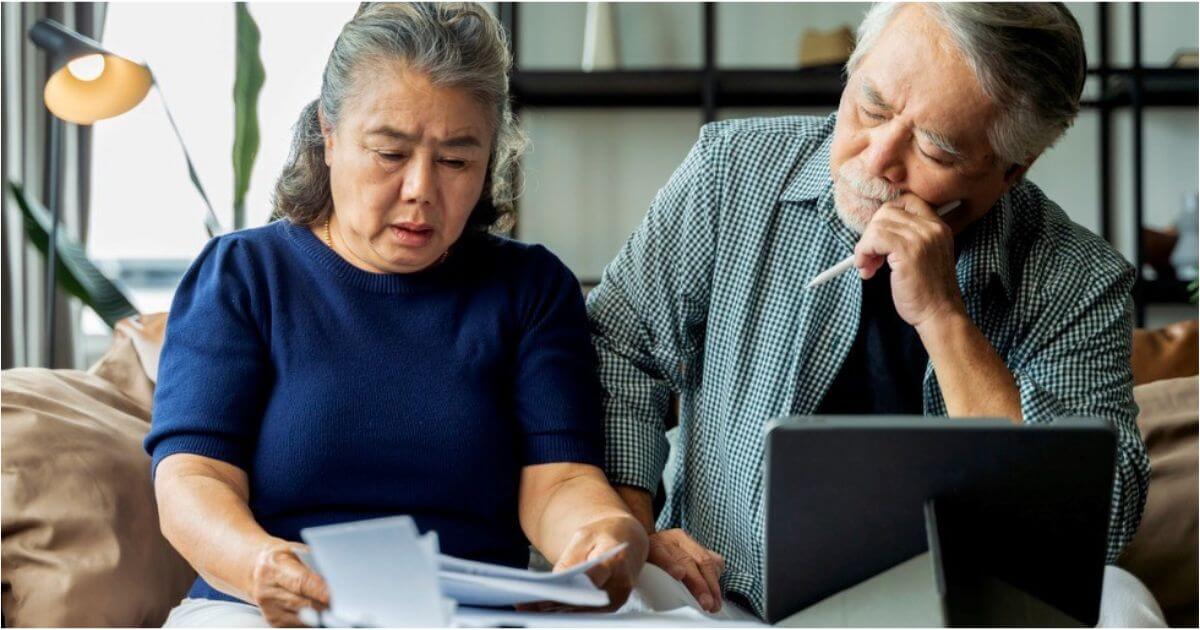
973 589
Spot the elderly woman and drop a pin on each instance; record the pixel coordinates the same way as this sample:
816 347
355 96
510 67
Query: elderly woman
378 352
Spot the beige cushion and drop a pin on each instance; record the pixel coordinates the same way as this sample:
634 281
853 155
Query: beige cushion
1163 553
81 544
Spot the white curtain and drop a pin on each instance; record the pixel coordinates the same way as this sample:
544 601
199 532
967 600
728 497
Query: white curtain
26 124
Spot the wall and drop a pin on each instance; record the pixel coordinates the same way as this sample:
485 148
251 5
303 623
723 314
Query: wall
594 172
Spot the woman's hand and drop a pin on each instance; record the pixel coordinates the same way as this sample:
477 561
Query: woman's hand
282 586
686 560
616 575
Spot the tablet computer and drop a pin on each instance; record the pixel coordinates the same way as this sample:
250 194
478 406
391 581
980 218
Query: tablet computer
849 497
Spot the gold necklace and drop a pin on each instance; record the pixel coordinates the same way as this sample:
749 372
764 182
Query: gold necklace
329 241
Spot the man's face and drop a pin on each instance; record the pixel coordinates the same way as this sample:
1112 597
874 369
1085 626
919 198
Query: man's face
913 119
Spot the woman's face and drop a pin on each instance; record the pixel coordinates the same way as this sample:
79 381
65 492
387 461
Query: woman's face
407 162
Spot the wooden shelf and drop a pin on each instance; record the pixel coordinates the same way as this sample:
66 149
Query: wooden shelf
1161 87
802 87
619 88
807 87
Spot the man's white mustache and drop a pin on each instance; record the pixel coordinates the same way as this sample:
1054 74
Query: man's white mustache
870 187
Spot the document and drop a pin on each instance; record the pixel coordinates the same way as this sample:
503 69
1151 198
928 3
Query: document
383 572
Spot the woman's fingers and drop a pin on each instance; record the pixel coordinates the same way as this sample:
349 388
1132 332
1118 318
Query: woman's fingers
301 580
576 552
600 574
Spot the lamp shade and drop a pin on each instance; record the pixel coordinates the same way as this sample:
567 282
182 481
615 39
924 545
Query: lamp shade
114 86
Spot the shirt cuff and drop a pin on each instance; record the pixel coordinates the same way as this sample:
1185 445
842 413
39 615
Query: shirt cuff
636 453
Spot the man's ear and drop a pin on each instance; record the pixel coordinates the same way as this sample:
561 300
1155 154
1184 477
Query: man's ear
1015 172
326 133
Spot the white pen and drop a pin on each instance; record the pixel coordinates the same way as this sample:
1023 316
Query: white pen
848 263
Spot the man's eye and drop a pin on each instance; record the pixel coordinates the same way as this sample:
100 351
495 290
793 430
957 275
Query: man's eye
454 164
872 115
390 157
937 160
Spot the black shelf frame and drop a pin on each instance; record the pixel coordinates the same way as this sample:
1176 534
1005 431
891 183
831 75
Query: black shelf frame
709 89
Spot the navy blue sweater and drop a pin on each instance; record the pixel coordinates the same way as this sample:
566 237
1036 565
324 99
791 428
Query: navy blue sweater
347 395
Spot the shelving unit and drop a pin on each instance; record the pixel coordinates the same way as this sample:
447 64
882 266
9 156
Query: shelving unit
709 88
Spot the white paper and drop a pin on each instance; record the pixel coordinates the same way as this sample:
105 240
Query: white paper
684 617
378 572
383 572
482 590
450 564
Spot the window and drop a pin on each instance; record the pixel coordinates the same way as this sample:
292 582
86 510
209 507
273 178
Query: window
146 220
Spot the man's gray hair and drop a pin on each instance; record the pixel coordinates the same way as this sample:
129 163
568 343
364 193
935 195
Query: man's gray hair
1029 58
458 45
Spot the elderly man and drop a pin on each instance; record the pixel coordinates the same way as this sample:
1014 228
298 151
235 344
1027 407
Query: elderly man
1001 308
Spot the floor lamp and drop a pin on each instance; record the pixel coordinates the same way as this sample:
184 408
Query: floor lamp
88 83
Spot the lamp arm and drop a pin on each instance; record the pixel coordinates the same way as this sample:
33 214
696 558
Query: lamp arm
211 224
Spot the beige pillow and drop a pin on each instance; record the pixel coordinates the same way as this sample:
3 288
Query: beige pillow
81 544
1164 550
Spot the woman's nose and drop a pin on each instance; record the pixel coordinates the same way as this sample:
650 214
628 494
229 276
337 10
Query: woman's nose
419 186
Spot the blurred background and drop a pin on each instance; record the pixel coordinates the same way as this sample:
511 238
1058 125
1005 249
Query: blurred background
612 96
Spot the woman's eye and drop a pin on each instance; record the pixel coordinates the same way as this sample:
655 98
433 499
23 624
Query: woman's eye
390 157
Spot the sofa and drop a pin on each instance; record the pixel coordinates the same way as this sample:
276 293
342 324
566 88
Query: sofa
81 544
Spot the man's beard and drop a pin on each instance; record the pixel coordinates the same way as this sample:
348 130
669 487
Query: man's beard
857 195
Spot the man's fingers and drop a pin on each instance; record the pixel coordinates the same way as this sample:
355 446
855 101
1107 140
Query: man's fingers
880 241
695 581
712 576
711 566
660 557
914 205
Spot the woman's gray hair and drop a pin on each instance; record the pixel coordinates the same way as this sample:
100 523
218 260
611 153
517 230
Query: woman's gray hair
1028 56
457 45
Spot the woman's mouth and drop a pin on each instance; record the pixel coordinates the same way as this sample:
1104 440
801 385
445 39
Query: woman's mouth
412 234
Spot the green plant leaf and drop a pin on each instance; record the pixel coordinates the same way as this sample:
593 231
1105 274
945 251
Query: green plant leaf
76 273
247 84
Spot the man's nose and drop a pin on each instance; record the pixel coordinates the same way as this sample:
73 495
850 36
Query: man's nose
885 155
419 186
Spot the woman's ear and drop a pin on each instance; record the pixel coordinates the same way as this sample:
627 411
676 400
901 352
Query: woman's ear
326 133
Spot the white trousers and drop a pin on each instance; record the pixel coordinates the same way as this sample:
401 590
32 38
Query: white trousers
1124 602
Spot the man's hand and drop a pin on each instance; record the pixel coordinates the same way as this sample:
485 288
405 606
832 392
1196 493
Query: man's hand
677 553
282 586
686 560
919 247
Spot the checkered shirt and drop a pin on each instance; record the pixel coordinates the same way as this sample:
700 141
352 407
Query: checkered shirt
706 300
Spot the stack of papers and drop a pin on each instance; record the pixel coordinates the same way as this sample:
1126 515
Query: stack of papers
383 572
